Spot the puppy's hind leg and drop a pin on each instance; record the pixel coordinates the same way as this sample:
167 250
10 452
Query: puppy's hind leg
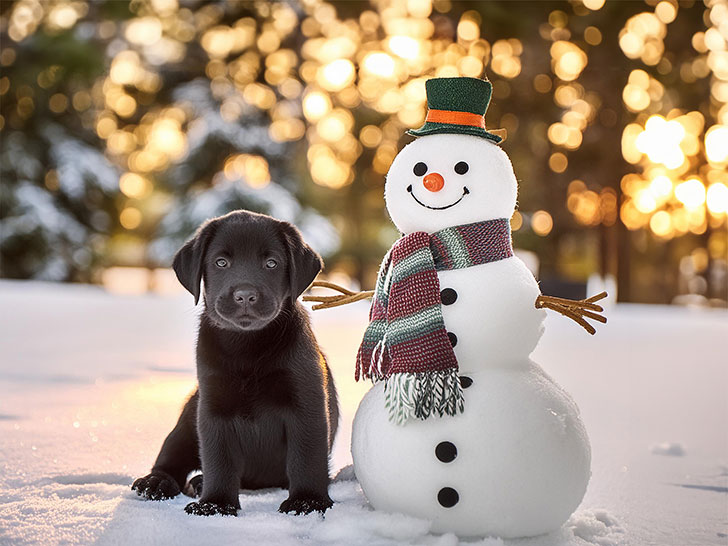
178 457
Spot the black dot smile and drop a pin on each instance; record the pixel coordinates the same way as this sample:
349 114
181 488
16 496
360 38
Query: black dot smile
466 191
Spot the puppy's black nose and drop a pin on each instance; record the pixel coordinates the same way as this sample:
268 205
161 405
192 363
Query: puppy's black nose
245 296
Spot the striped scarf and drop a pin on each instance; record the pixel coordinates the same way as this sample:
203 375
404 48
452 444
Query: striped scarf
406 343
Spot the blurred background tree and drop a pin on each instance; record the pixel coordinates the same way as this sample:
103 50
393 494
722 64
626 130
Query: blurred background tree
125 125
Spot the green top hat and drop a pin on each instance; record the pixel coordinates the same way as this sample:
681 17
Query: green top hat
458 105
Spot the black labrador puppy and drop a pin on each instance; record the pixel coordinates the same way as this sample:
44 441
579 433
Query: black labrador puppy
265 412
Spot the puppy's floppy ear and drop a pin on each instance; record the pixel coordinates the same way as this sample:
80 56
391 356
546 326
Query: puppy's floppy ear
303 261
189 260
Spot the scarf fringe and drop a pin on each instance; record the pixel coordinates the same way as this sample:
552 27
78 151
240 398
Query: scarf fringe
423 394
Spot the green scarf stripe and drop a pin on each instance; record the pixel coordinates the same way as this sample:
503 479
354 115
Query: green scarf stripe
456 247
415 325
376 331
410 265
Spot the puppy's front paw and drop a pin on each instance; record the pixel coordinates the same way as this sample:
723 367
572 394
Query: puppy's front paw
205 508
306 505
156 486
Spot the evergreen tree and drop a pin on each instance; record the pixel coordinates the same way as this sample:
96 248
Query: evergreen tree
58 189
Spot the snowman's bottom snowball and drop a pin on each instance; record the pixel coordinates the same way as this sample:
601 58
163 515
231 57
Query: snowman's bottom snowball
514 464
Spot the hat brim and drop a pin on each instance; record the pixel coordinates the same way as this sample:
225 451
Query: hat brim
430 128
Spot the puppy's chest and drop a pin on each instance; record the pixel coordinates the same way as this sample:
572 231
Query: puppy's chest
248 396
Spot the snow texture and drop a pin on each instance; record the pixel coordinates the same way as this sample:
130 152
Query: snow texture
91 383
668 448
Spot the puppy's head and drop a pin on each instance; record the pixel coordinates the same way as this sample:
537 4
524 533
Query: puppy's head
252 265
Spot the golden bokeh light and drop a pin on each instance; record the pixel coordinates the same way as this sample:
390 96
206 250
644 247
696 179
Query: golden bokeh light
660 141
594 5
558 162
468 30
379 64
58 103
661 224
717 198
134 185
716 144
370 136
542 223
568 60
336 75
661 187
130 218
64 16
144 31
592 36
252 170
316 105
404 46
666 11
516 221
691 193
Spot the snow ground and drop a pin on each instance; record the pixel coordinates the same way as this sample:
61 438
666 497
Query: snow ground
91 383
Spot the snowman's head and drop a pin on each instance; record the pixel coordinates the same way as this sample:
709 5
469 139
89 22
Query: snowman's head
445 180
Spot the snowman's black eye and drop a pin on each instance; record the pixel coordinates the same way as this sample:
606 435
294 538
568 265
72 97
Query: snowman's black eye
461 167
420 169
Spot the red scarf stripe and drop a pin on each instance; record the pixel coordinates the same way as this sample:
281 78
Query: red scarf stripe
422 287
425 353
416 242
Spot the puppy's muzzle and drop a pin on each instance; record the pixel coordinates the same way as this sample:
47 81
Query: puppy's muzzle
245 306
246 296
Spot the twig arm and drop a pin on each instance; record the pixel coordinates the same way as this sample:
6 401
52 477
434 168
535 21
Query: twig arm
576 310
345 296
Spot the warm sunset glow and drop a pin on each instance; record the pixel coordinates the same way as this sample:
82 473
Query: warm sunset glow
313 99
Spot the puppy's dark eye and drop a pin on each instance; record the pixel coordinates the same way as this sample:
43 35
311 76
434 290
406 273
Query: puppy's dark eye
221 262
461 167
271 264
420 169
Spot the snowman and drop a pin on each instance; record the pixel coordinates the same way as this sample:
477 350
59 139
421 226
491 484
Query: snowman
461 427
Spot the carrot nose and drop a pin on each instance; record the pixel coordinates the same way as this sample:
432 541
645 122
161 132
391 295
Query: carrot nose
433 182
